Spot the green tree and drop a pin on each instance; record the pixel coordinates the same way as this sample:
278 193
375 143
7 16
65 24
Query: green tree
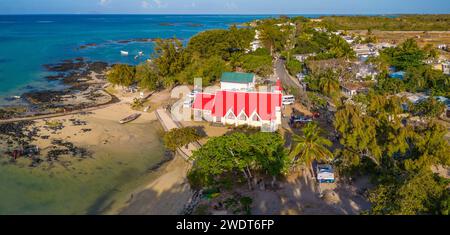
429 107
324 81
408 54
238 153
170 57
259 62
413 193
179 137
310 147
147 77
294 66
121 74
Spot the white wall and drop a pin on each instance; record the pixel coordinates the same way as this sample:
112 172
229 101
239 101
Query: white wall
236 86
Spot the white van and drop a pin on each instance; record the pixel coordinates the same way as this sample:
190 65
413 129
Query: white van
288 99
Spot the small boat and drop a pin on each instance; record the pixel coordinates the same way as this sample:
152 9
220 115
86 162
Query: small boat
124 53
141 53
130 118
16 97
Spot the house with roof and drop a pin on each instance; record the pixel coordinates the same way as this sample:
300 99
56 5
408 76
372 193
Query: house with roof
233 107
235 81
352 88
364 51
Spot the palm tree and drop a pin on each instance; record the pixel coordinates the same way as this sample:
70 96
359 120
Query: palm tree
328 83
311 146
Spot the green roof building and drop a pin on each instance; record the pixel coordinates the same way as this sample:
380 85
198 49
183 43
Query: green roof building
237 81
237 77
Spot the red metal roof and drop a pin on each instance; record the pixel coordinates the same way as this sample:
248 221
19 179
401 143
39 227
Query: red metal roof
204 101
263 103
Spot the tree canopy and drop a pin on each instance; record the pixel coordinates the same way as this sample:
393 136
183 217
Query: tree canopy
121 74
375 139
238 153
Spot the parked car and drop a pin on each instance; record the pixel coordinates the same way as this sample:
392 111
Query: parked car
288 100
325 173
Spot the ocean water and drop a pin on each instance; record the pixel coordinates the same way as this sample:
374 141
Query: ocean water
27 42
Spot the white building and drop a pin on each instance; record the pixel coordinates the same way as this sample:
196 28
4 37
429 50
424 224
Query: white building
233 81
351 89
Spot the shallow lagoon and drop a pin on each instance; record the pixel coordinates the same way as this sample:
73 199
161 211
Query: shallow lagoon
90 186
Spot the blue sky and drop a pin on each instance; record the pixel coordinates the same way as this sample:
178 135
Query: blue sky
224 6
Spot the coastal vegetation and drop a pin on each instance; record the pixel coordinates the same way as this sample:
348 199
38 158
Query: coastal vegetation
207 55
180 137
399 157
228 159
390 23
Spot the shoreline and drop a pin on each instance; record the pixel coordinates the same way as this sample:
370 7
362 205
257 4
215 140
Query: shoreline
100 131
167 194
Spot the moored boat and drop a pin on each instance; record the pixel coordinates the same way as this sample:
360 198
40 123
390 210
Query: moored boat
124 52
130 118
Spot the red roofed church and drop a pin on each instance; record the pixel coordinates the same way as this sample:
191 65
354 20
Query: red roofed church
253 108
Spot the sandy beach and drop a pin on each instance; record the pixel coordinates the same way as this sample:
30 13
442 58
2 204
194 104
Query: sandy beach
166 195
116 152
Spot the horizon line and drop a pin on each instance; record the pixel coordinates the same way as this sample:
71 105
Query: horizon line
231 14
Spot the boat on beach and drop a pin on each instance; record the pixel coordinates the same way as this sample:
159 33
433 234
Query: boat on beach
130 118
125 53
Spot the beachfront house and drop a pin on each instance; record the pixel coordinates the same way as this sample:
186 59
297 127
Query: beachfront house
252 108
235 81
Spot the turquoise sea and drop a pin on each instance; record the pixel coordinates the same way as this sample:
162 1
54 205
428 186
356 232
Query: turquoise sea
27 42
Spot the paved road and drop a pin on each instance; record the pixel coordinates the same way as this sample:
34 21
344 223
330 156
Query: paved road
283 74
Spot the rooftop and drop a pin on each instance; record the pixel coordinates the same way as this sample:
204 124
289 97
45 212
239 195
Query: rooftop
235 77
